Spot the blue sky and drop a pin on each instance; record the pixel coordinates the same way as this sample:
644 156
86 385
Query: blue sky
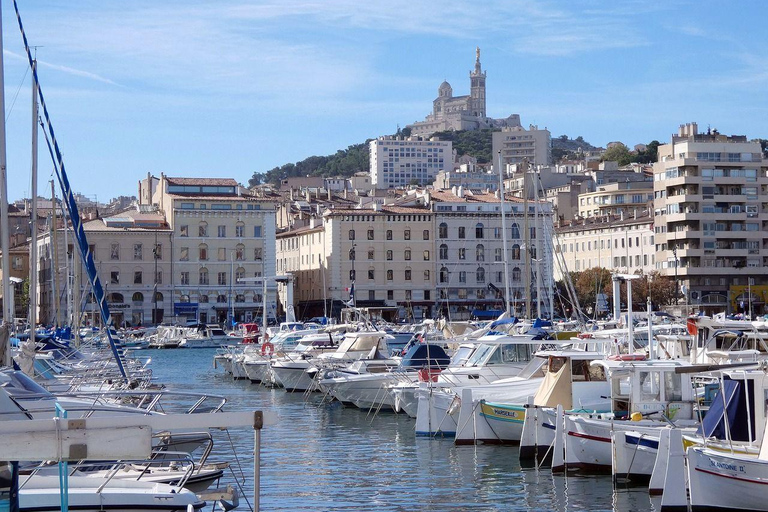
230 87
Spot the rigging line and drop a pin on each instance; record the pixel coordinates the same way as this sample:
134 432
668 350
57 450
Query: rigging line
15 96
77 224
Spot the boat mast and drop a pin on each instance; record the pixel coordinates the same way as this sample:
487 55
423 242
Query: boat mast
527 238
504 239
54 260
33 221
5 233
537 228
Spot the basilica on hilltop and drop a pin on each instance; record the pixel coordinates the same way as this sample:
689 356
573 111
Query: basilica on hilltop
451 112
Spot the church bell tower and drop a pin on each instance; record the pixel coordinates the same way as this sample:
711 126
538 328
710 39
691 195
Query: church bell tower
477 87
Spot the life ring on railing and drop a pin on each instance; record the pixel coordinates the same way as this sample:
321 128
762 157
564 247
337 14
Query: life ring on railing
267 349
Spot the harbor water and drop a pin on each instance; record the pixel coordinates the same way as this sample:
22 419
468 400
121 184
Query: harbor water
325 457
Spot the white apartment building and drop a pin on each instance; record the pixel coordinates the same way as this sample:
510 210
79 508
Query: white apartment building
397 162
620 243
517 144
711 193
616 199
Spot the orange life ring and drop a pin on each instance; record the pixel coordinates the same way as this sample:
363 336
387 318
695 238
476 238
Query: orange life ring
267 348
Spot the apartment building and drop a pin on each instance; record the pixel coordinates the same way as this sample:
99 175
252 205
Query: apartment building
616 199
622 243
222 248
710 197
518 144
397 162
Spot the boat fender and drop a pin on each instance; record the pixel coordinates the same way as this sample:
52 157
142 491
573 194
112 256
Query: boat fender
267 348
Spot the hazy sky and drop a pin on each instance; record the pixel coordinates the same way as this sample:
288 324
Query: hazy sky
226 88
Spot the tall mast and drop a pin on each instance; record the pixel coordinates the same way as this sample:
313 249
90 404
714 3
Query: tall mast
527 238
55 259
504 239
33 220
5 233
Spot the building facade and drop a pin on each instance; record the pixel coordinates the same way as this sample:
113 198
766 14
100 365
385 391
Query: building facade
517 144
623 244
397 162
710 217
616 199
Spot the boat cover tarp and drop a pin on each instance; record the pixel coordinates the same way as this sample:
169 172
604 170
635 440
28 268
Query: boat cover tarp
714 424
556 388
486 313
425 355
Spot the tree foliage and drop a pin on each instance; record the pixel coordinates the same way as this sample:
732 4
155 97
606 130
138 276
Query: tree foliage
476 143
617 153
593 281
345 162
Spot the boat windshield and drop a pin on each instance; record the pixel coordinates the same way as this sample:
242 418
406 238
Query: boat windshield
19 384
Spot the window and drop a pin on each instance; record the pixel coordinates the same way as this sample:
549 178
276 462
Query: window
184 231
407 274
480 275
184 254
159 277
407 234
221 299
407 255
497 254
462 232
390 275
222 254
222 231
515 252
370 234
138 252
389 234
256 231
137 277
138 298
202 230
157 252
389 255
184 278
425 234
351 234
408 294
239 275
239 230
442 230
443 253
390 295
371 295
480 253
371 254
516 274
371 274
114 251
203 276
515 231
203 252
479 231
443 275
462 277
114 277
257 254
222 280
462 253
239 252
426 275
426 255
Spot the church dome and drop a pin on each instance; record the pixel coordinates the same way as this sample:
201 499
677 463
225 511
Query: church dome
445 89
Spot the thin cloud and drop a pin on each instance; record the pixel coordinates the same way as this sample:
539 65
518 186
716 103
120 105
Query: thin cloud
64 69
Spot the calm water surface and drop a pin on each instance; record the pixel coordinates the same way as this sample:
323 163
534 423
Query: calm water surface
324 457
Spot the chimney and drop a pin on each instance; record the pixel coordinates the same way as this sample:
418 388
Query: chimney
621 212
460 192
635 213
454 191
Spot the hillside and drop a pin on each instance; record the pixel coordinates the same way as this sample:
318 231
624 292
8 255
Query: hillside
346 162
